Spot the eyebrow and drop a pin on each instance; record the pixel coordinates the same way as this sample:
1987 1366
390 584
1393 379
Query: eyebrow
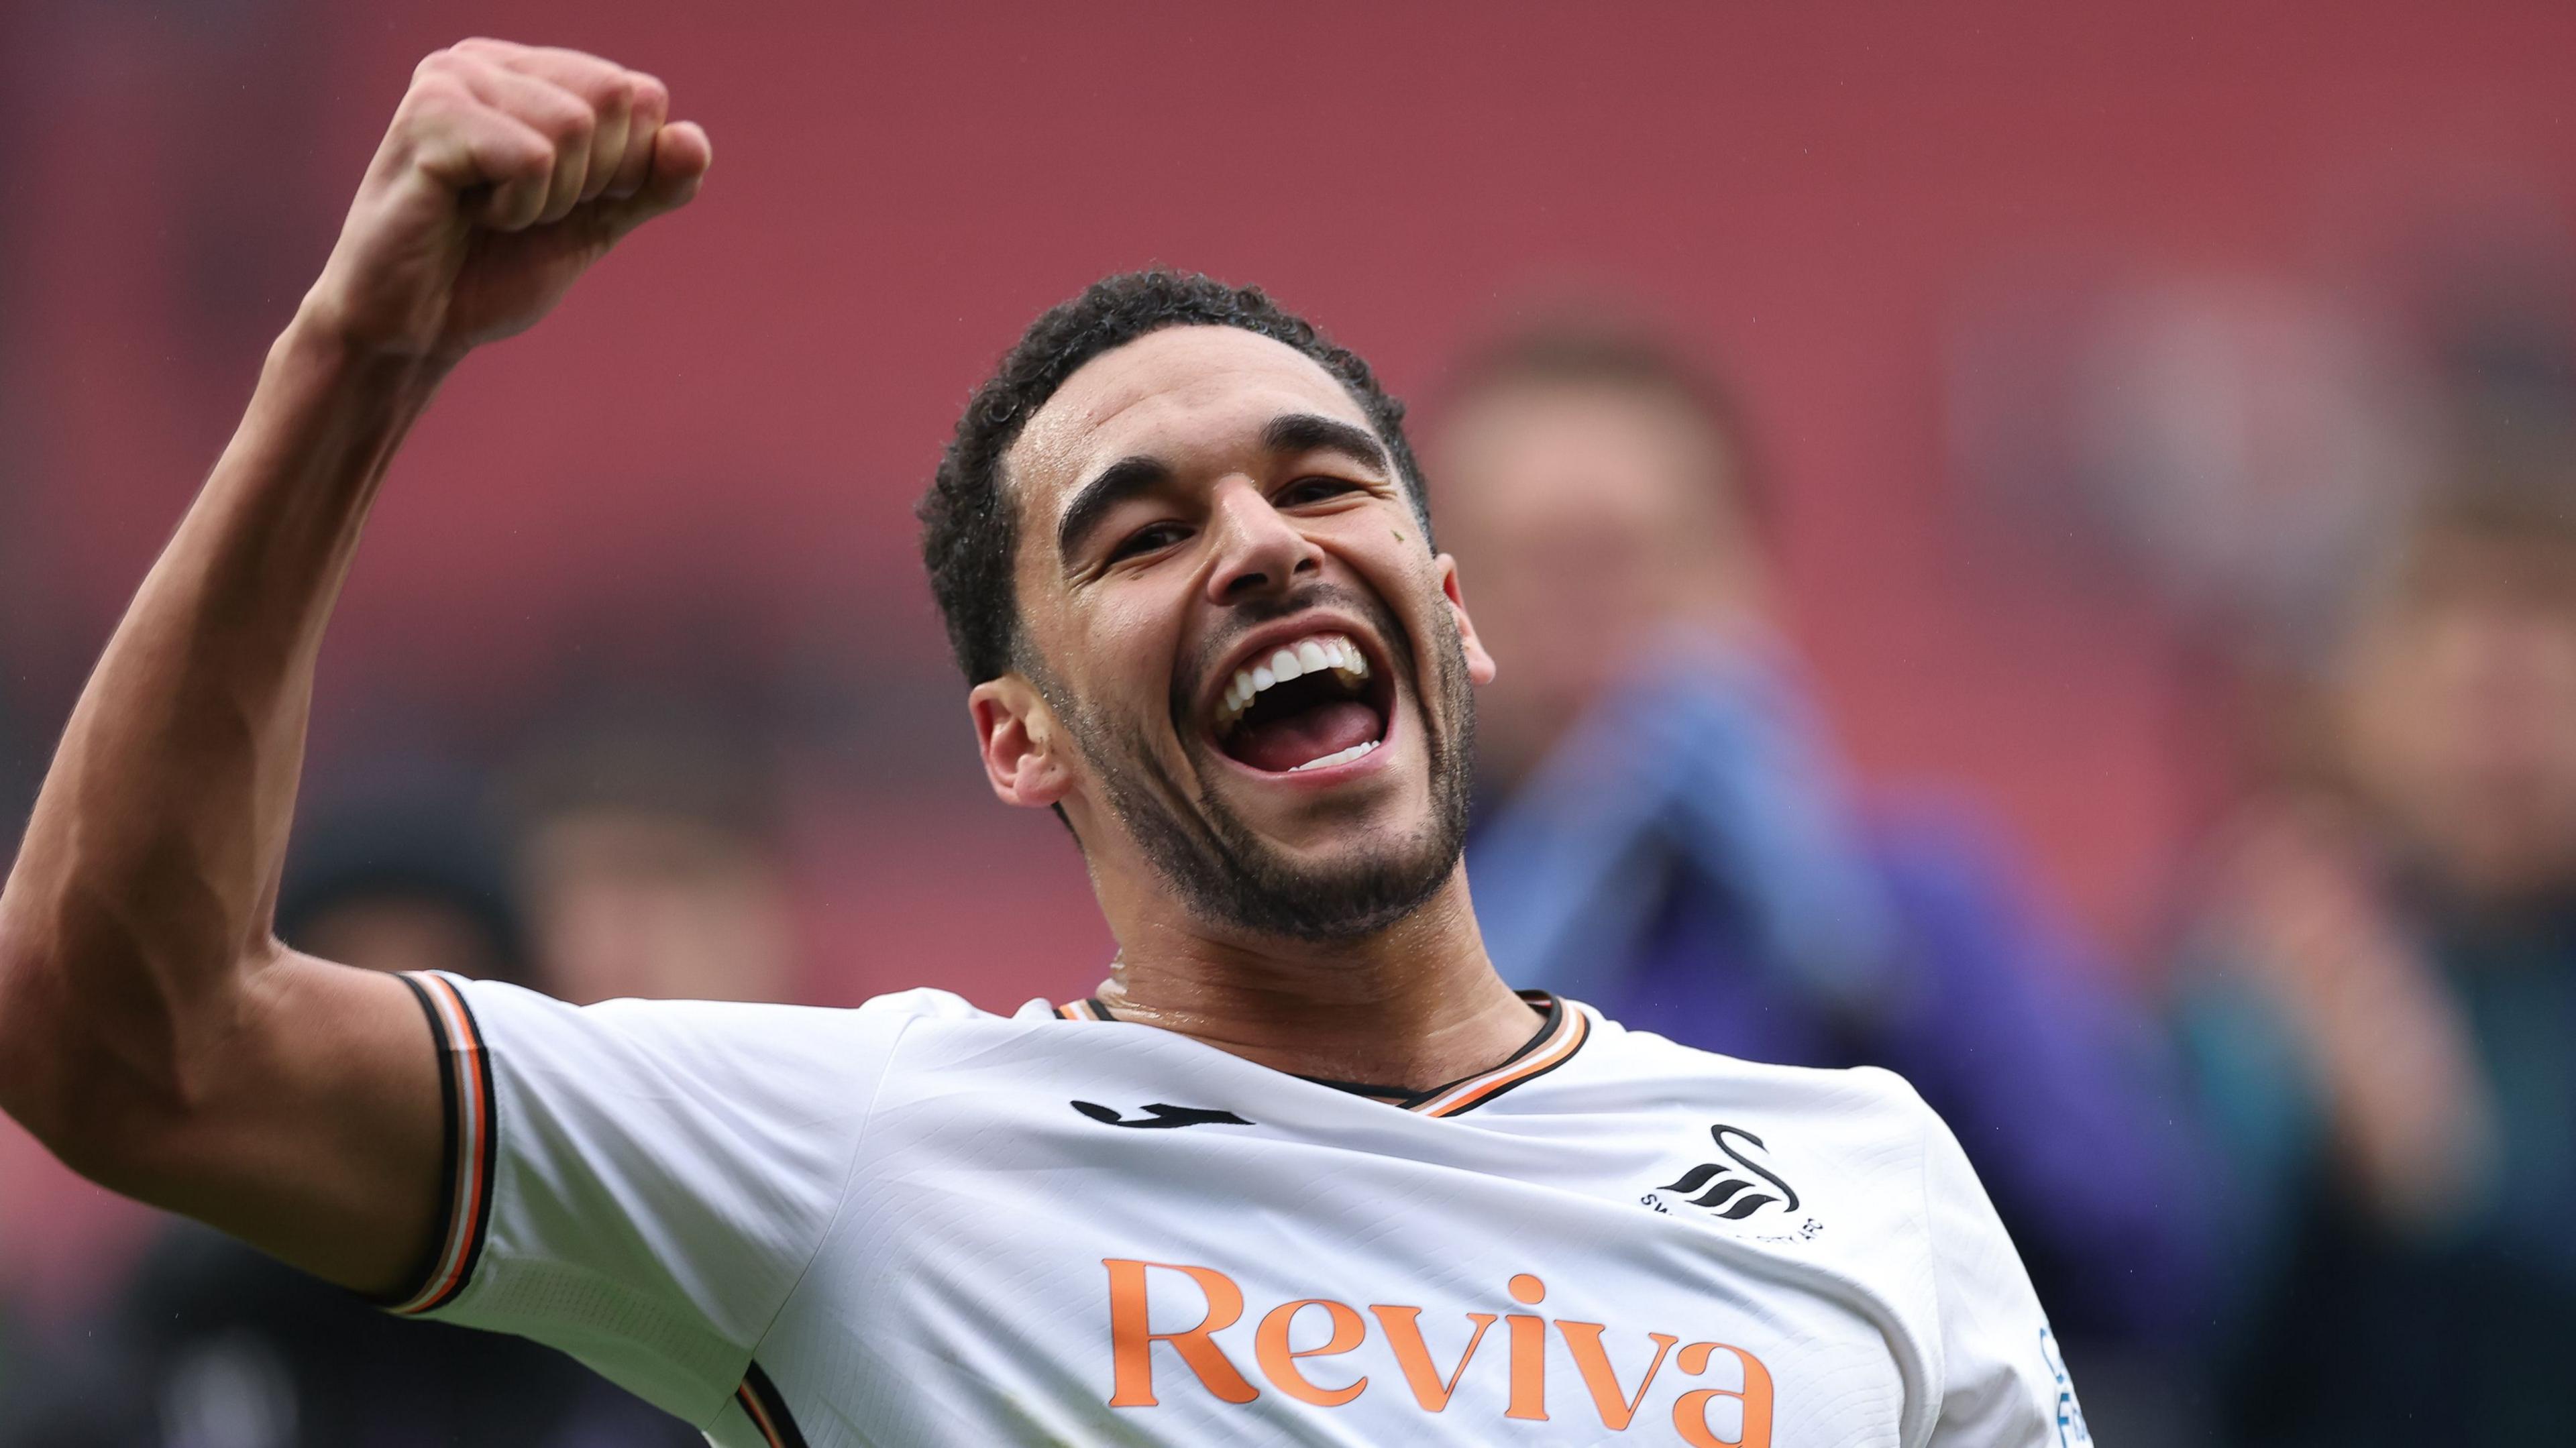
1300 432
1121 480
1129 477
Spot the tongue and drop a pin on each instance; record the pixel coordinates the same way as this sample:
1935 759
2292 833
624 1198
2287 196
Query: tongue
1279 745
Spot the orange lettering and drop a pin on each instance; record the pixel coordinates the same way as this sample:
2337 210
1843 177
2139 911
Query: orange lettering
1529 1352
1584 1339
1690 1411
1279 1360
1404 1334
1132 1338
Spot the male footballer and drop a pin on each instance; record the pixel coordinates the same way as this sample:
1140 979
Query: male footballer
1303 1171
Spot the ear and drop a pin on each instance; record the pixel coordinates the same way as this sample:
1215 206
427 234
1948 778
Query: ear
1480 664
1023 754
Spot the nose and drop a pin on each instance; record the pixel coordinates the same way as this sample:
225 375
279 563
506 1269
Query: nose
1257 550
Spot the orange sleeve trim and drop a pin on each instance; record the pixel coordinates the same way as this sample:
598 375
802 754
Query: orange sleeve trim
767 1410
465 1073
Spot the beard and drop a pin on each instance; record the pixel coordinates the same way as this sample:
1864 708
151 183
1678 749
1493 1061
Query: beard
1226 873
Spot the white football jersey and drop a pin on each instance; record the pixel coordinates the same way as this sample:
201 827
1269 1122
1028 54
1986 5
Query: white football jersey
920 1223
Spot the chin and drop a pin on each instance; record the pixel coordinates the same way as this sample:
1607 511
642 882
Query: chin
1351 849
1344 871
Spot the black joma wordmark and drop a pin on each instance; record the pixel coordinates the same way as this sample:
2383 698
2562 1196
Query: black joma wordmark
1160 1116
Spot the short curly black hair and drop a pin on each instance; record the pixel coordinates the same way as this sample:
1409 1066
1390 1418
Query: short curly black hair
969 528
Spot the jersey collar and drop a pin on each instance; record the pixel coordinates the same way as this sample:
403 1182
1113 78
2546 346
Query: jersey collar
1561 1032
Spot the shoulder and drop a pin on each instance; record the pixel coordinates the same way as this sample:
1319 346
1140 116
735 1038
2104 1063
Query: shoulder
1652 1061
531 1033
497 998
1863 1114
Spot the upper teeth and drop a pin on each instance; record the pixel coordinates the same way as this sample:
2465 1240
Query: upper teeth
1306 656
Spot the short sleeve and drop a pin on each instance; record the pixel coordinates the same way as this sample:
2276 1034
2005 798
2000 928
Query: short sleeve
2003 1381
641 1183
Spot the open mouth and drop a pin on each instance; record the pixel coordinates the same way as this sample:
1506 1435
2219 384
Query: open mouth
1313 703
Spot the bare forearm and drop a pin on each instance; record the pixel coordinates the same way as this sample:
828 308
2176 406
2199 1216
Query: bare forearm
152 1030
146 879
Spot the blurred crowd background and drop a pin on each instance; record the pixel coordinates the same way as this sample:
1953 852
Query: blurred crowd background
2034 545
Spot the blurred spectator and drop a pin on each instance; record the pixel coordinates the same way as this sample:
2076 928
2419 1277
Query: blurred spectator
18 773
2380 1005
408 883
20 767
14 1357
649 860
215 1345
1667 830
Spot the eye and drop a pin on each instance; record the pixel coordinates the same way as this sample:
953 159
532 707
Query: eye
1147 539
1314 490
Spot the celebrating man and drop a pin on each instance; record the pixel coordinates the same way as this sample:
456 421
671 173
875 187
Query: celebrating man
1277 1182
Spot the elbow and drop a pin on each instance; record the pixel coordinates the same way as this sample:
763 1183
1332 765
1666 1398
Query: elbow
68 1093
21 966
118 1001
34 1033
84 1089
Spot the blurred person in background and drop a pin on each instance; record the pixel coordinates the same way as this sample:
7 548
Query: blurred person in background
213 1344
884 1221
26 1315
647 854
2378 999
1667 826
18 773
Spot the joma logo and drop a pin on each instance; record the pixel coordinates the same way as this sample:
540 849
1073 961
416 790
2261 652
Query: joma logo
1132 1357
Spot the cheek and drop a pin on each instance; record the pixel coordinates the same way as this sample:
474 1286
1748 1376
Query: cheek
1410 590
1125 656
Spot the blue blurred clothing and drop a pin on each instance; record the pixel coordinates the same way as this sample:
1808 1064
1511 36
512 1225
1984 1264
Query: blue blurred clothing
1694 861
2342 1329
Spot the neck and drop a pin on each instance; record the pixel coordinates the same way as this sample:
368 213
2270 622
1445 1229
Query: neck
1416 1005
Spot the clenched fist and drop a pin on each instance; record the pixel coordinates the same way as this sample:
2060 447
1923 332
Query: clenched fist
507 170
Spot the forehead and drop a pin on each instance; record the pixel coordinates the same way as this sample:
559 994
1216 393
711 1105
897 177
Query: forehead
1185 395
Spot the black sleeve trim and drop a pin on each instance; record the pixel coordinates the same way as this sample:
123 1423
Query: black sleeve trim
767 1409
469 1148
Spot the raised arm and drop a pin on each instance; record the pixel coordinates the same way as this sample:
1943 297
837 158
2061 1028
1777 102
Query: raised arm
153 1032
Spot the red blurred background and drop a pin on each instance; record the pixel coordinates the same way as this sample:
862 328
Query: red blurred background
703 466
